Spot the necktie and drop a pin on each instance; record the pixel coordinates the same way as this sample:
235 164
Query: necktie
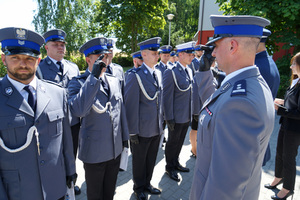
105 86
31 99
108 70
61 67
155 77
187 73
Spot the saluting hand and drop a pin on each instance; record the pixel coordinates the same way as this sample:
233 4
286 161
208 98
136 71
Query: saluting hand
206 59
98 66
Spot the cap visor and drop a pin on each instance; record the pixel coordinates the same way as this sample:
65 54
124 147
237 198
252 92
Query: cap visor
211 42
23 52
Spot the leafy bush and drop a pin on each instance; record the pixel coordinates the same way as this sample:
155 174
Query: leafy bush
123 61
283 65
2 69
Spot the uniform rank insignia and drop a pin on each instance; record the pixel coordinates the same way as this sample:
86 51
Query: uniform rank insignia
239 88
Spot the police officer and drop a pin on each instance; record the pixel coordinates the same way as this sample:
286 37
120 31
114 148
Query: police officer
59 70
266 64
96 98
113 68
164 55
36 152
236 121
177 99
171 61
143 103
54 67
137 62
196 61
269 72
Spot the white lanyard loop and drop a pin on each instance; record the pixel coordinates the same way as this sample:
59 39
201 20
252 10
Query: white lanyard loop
175 81
30 133
143 89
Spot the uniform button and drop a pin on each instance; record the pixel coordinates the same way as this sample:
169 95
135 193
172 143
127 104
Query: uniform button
42 162
37 122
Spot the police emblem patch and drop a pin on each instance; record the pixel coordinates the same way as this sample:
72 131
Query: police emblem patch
102 41
8 91
21 33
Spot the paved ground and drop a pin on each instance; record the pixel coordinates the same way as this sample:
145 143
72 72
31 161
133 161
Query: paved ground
172 190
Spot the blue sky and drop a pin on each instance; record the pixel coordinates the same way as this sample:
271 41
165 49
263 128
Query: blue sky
17 13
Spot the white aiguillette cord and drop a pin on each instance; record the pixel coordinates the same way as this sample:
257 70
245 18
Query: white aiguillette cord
30 133
175 80
104 110
143 89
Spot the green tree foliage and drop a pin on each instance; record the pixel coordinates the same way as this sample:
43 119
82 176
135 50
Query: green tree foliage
185 22
72 16
130 21
285 27
284 17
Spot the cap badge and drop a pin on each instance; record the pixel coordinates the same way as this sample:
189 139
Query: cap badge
21 42
8 91
59 32
102 40
21 34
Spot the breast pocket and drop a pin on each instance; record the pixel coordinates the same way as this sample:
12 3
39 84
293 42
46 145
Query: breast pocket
13 121
56 119
206 131
10 129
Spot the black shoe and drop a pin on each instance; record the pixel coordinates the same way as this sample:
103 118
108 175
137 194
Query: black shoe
173 175
140 195
152 190
283 198
271 187
179 167
77 190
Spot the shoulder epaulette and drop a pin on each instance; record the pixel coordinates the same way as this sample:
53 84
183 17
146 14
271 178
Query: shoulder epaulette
239 88
70 62
115 64
51 82
108 74
135 70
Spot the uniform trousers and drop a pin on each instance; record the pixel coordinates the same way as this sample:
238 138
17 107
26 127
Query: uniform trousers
143 161
286 152
75 133
101 179
174 144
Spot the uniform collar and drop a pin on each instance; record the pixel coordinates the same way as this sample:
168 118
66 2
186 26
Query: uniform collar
19 86
149 68
163 63
183 67
55 61
235 73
